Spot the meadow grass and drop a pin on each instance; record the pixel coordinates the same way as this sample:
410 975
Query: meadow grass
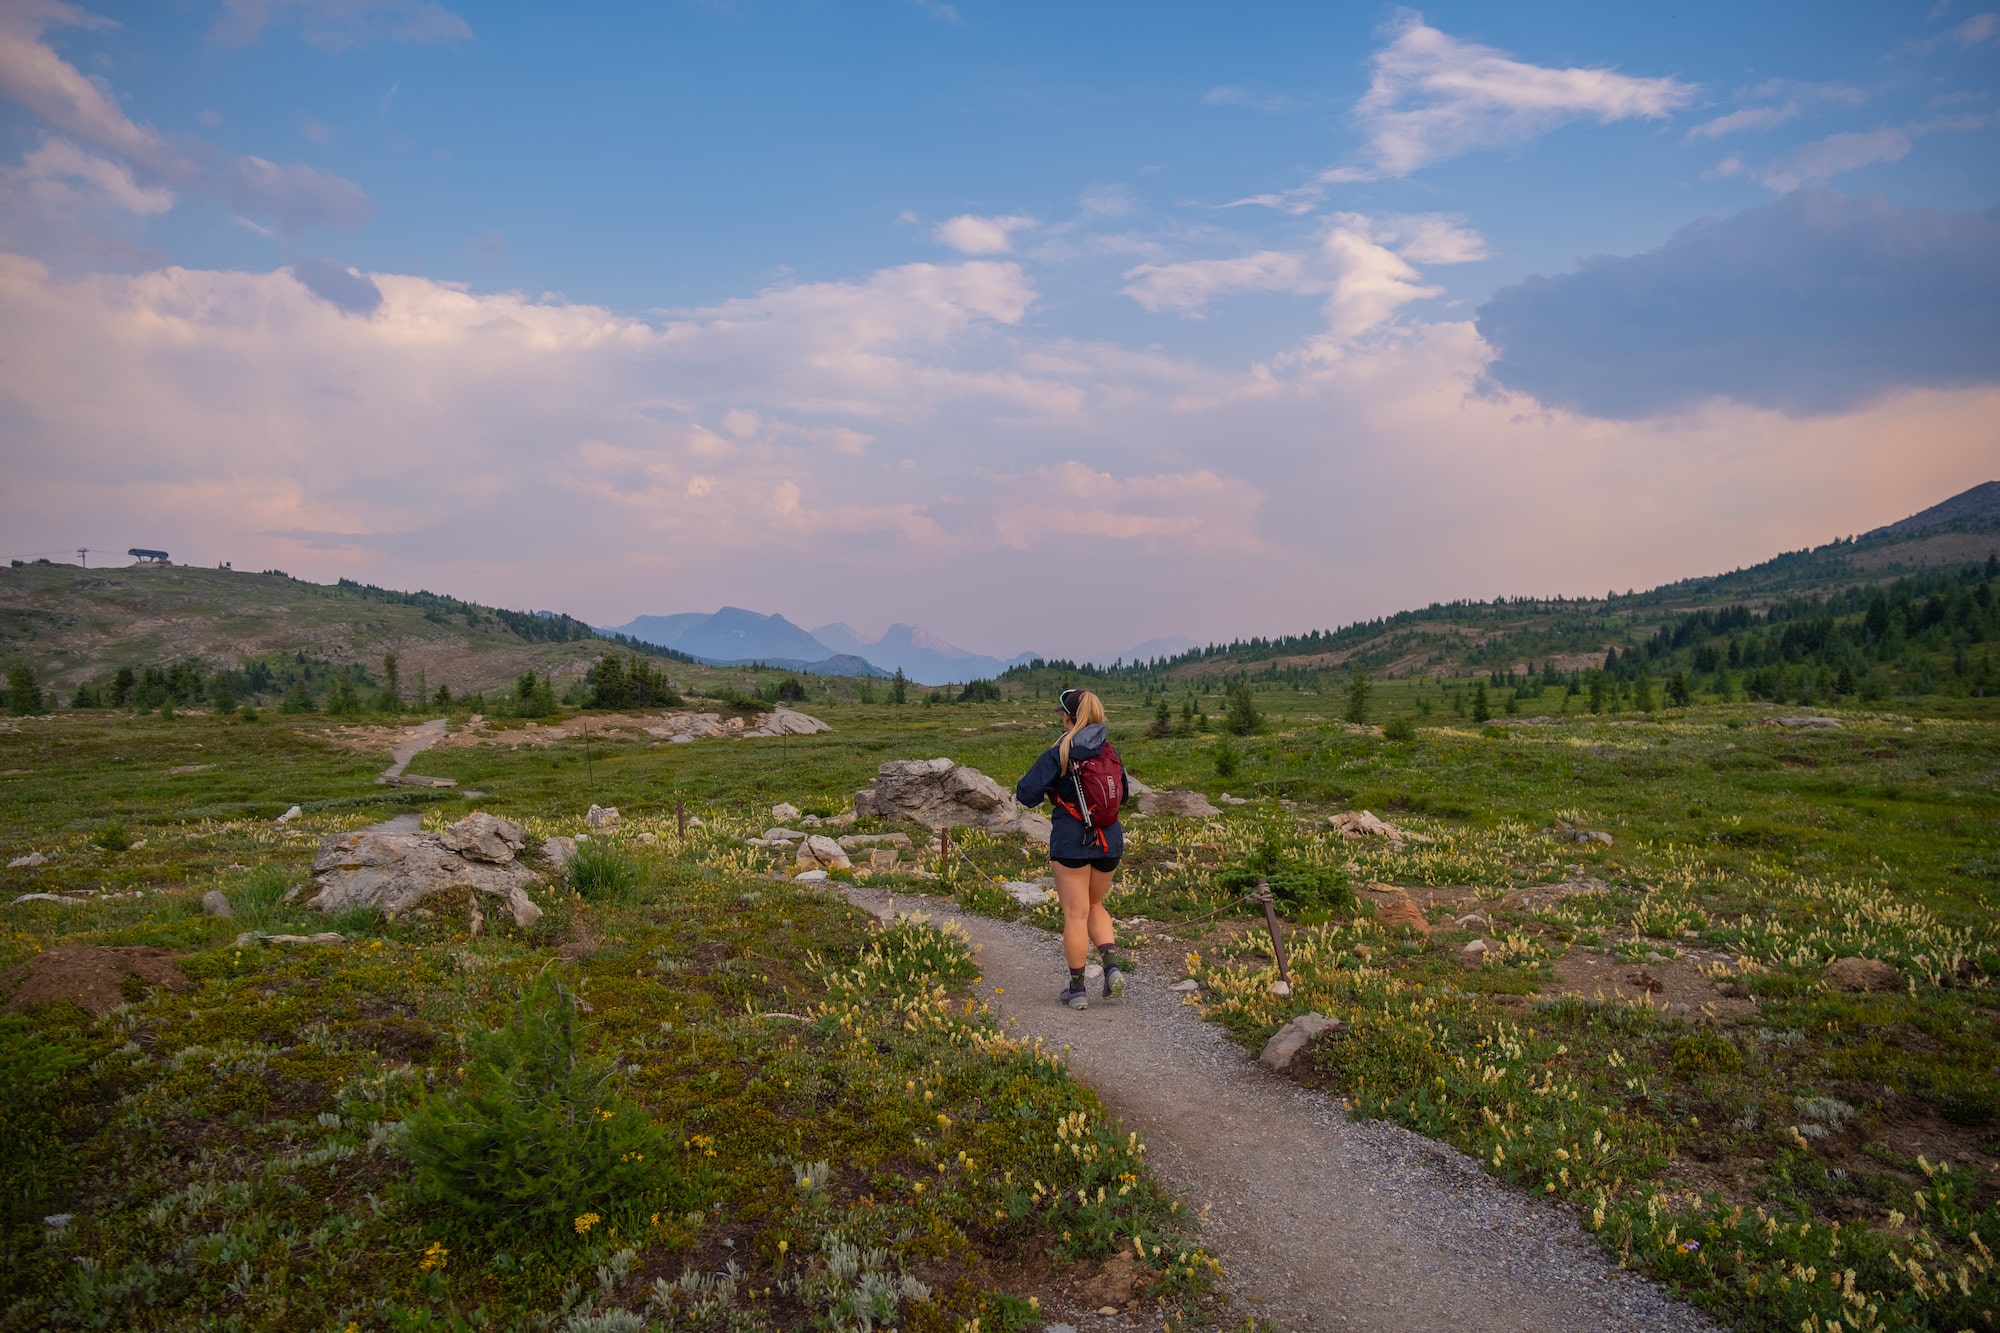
1831 1156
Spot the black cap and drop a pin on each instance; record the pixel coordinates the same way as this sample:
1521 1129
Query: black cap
1070 701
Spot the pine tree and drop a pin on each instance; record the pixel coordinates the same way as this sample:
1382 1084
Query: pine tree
1482 707
1597 691
1242 717
1677 690
1358 689
24 696
899 688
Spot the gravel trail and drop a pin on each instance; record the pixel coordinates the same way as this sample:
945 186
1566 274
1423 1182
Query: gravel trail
1321 1222
414 743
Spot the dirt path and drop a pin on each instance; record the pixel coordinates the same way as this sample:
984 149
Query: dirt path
414 743
1321 1222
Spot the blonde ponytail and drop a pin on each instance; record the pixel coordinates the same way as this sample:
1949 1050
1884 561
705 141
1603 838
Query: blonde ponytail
1089 709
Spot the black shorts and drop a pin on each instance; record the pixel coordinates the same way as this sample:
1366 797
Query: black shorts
1105 863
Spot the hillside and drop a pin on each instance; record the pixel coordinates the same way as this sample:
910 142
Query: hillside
1813 609
75 626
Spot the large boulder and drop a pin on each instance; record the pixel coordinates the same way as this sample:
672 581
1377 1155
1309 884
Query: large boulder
393 872
941 794
787 722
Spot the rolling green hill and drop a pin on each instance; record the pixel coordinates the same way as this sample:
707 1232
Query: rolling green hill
75 626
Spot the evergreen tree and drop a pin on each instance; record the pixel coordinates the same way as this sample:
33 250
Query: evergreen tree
122 686
1642 694
899 688
296 699
1163 720
1677 690
1358 689
443 698
1482 707
24 696
1242 717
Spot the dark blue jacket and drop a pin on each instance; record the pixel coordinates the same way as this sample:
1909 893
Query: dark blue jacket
1068 839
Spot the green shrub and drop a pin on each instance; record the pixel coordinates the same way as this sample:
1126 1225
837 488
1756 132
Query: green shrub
112 836
1706 1053
1399 729
601 872
537 1134
1242 717
1227 758
1299 886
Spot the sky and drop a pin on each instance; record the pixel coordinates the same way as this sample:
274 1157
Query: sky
1051 327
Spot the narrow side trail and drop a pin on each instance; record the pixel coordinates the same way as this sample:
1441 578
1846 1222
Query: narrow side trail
418 739
1321 1222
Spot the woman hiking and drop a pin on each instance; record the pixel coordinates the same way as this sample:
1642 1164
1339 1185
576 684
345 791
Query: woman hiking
1082 775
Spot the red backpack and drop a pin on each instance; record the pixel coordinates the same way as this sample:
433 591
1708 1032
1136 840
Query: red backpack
1099 787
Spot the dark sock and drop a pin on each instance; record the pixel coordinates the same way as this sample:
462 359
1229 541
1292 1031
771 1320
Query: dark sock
1104 956
1076 978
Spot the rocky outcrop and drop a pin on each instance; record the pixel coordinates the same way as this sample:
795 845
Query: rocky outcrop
940 794
393 871
1363 824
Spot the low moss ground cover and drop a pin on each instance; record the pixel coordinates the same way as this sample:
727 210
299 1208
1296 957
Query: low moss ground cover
1799 1156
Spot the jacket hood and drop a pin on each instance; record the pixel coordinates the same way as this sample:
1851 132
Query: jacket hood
1088 742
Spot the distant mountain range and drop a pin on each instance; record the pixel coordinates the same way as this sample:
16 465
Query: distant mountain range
734 637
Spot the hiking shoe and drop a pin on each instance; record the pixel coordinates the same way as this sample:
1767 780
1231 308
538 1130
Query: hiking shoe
1114 982
1075 999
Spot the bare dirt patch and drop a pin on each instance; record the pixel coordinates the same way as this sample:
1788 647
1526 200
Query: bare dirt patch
1675 986
93 976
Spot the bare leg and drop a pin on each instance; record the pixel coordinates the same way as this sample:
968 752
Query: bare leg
1102 931
1080 906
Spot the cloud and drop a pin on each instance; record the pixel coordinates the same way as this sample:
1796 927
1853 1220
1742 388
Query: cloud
296 197
63 178
1812 304
339 25
1434 97
338 285
942 12
1823 159
1365 267
1071 501
970 234
1977 29
1749 118
1228 94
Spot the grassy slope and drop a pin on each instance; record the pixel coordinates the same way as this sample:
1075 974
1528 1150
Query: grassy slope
73 625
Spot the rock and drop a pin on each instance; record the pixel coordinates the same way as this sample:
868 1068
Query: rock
288 816
1286 1043
1058 1328
786 722
647 839
841 820
215 904
42 898
1136 787
324 937
1863 974
941 794
822 852
1185 985
1809 723
1118 1281
810 877
393 872
1227 799
558 852
852 841
1475 952
1577 833
1280 987
1028 895
883 858
1189 803
783 811
28 862
1400 913
602 816
782 835
1363 824
810 821
1471 919
481 837
1645 981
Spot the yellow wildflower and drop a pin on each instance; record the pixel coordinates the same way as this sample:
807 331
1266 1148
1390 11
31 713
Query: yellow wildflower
586 1222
